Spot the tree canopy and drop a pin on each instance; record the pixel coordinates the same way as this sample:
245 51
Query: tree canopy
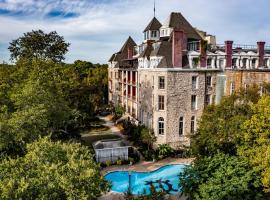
221 177
40 46
232 149
44 104
220 125
51 170
256 140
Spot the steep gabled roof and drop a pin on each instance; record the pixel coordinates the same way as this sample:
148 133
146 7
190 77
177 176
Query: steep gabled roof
129 43
154 25
178 22
122 54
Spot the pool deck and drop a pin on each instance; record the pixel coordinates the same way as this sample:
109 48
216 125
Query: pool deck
147 166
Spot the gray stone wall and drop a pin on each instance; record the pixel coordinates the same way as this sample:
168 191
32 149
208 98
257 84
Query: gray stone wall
179 94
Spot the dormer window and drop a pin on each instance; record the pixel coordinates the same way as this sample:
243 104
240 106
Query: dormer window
153 34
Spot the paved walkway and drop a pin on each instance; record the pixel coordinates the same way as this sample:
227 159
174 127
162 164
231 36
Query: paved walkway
146 166
110 124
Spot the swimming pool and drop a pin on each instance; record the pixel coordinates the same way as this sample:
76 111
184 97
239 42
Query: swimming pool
140 182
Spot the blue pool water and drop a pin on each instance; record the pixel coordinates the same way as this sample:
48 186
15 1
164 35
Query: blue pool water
140 182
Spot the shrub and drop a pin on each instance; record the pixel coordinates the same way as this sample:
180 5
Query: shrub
119 162
108 163
119 111
131 160
164 150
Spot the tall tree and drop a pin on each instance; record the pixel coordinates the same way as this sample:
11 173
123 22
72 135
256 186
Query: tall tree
39 45
220 125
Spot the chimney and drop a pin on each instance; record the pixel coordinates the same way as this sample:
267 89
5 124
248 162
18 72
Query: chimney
177 48
228 52
130 52
203 49
261 53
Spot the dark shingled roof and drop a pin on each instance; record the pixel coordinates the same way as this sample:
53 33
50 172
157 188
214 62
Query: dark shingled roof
178 22
164 49
129 43
154 25
122 54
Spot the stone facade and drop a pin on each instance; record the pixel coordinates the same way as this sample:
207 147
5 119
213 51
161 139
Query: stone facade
166 82
245 78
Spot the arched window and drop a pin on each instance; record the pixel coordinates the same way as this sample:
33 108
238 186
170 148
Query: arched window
181 126
161 126
192 124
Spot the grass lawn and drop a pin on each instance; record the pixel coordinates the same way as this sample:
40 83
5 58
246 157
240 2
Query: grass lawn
89 140
97 133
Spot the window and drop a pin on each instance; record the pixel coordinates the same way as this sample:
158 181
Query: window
232 89
161 102
162 33
209 62
207 99
221 63
161 82
265 62
181 126
244 62
253 63
161 126
193 102
153 34
208 81
192 125
194 82
234 62
195 62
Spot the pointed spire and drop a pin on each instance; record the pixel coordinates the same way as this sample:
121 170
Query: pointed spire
154 25
154 8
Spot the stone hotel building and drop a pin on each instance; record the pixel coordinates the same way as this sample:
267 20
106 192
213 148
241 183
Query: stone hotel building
166 81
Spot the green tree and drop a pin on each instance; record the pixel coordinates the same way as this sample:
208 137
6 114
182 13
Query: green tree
40 46
256 141
221 177
148 137
220 125
51 170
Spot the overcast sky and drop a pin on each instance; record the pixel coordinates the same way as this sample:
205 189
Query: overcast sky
98 28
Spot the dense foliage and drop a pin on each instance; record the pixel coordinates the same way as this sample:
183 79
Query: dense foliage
46 97
221 177
231 146
256 141
220 125
43 101
51 170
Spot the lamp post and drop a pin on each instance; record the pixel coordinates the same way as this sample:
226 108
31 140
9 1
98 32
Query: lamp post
129 182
